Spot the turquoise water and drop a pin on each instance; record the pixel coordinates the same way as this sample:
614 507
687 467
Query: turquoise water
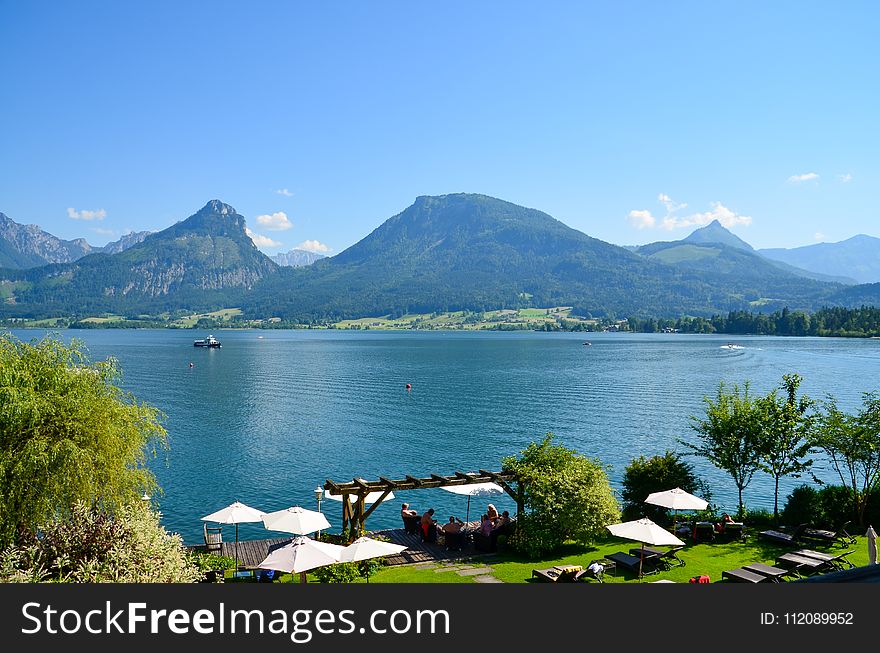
273 414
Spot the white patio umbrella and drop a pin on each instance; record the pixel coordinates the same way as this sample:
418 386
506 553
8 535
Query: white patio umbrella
372 497
235 513
646 532
676 499
300 555
474 490
871 534
365 548
296 520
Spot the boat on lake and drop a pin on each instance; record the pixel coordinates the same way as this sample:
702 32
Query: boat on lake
210 341
730 345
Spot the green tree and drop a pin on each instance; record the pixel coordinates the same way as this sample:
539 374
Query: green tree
730 436
786 437
566 496
67 434
644 476
852 444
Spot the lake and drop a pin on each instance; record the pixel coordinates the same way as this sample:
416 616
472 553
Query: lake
273 414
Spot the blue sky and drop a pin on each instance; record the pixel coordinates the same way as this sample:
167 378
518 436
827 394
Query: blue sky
324 119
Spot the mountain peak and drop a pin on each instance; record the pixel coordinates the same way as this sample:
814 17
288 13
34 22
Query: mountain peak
715 232
216 206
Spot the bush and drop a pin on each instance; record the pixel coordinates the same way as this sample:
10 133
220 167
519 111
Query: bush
644 476
828 507
566 497
348 572
90 545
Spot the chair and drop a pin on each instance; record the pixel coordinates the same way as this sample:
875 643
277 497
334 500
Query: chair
431 535
454 541
830 536
838 560
564 574
704 531
213 537
784 538
733 531
773 573
633 563
411 524
742 575
669 558
800 563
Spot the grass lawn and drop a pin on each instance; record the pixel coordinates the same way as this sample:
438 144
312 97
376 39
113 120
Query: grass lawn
701 559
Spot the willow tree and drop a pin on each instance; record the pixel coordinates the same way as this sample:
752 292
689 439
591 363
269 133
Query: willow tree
68 434
730 436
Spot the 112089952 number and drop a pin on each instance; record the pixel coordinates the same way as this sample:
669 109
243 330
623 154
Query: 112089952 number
818 618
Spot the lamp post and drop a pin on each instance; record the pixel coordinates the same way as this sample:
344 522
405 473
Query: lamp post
319 494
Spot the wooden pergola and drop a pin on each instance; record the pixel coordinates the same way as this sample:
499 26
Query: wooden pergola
356 513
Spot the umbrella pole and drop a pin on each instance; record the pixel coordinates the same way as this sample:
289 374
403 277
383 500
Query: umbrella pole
467 517
236 547
302 577
641 561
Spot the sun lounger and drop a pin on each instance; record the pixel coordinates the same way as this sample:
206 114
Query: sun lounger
733 531
669 557
838 560
566 574
822 535
633 563
742 575
785 538
801 563
773 573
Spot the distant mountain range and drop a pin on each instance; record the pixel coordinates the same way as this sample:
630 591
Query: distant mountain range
28 246
297 258
450 252
857 258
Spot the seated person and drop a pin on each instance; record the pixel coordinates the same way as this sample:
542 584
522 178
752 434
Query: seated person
486 525
406 511
452 526
502 521
427 521
725 519
492 513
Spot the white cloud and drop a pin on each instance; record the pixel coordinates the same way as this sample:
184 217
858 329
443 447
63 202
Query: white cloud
799 179
284 191
262 242
313 246
819 236
641 219
73 214
644 219
845 178
671 205
275 222
724 215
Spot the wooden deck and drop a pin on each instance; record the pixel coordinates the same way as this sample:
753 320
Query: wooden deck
252 552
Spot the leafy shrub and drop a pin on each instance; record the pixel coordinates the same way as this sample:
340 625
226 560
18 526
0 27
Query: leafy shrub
91 546
828 507
644 476
348 572
210 561
566 497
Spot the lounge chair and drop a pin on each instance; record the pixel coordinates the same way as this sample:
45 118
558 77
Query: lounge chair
785 538
564 574
839 560
733 531
668 558
596 573
704 531
773 573
742 575
801 564
633 563
830 537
